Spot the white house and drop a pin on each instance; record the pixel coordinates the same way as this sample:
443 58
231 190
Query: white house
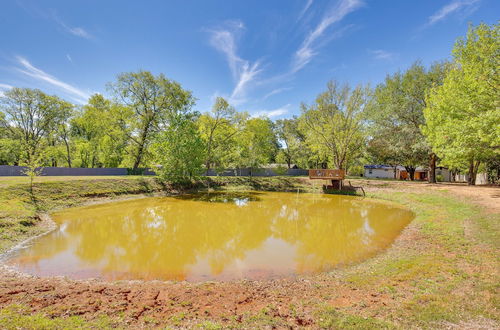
443 174
384 171
481 178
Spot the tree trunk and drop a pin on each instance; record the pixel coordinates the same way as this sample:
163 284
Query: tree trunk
471 180
209 152
140 151
432 168
411 172
207 165
68 153
476 169
138 157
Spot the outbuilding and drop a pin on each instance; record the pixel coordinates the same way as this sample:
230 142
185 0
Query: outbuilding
385 172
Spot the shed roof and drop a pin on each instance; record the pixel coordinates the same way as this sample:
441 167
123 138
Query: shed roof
383 167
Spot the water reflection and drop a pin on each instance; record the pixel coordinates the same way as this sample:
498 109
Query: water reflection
237 198
214 236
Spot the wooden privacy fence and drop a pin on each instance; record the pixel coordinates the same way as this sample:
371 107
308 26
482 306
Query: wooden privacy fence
8 170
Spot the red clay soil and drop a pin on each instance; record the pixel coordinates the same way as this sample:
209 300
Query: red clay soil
224 302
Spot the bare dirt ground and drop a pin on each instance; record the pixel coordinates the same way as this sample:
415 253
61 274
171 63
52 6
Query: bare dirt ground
486 196
292 300
489 197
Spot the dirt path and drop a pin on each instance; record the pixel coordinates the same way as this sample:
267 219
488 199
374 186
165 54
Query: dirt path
489 197
486 196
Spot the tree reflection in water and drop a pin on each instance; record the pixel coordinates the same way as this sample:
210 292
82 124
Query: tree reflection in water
214 236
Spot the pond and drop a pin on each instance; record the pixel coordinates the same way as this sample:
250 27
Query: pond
213 236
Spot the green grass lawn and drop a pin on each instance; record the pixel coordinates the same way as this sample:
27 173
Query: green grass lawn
15 180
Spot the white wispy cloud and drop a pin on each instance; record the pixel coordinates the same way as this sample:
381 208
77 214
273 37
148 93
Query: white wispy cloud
276 91
247 75
33 8
69 58
304 10
244 72
30 70
79 32
308 48
380 54
272 113
452 7
74 30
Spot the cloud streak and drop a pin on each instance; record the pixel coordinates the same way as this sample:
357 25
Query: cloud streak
31 71
308 48
304 10
380 54
79 32
276 91
452 7
74 30
244 72
272 113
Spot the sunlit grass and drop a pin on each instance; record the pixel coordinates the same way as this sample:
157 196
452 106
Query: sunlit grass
18 317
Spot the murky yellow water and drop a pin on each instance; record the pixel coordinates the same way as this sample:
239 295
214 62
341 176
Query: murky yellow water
213 236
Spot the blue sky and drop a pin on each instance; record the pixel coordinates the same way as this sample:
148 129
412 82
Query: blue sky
266 57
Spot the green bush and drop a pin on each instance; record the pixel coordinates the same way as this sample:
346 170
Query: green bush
280 170
135 171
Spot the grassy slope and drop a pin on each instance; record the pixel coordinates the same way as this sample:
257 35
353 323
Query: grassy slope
19 212
446 273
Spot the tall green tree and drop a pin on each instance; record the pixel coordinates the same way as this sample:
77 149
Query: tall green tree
218 129
382 150
463 114
396 117
291 139
179 149
10 149
257 144
100 133
154 101
335 123
32 116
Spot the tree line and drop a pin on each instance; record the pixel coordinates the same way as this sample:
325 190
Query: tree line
447 113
